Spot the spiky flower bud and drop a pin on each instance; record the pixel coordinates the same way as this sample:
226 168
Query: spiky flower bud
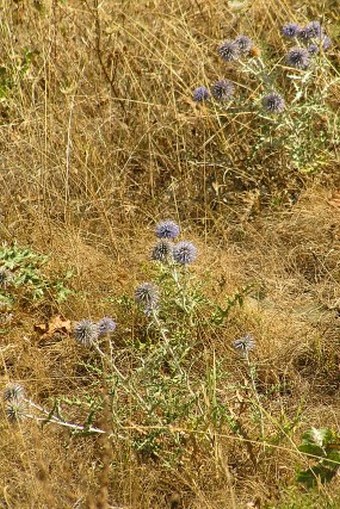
200 94
167 230
244 43
147 296
273 103
14 397
13 391
86 332
162 251
244 344
223 90
184 253
15 410
298 57
106 325
229 51
291 30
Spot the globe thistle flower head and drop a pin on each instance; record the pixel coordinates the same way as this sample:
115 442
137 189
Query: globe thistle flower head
15 410
184 252
106 325
200 94
229 51
313 49
312 30
244 43
298 57
244 344
222 90
291 30
86 332
147 296
162 251
273 103
167 230
13 391
14 397
6 277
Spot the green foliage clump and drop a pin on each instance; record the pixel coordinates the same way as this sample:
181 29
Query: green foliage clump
23 277
323 445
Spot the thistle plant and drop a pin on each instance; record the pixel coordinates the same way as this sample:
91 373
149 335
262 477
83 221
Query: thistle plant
244 346
285 93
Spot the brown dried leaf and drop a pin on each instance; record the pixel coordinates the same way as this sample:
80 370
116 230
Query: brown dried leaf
56 324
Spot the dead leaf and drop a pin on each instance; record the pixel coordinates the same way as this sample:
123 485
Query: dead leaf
56 325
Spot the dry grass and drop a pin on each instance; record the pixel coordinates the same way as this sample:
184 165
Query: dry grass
100 139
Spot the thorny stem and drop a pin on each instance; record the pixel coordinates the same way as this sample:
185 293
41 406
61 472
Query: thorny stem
56 420
256 394
121 377
166 340
182 289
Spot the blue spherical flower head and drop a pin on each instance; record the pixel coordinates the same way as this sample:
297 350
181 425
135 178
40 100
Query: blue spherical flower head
298 57
291 30
312 30
200 94
244 43
273 103
147 296
229 51
244 344
167 230
184 253
223 90
162 251
106 325
313 49
86 333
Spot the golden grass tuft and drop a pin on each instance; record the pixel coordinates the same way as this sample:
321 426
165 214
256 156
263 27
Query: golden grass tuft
99 140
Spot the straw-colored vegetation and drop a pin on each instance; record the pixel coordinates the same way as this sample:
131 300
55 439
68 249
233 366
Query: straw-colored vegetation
101 140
